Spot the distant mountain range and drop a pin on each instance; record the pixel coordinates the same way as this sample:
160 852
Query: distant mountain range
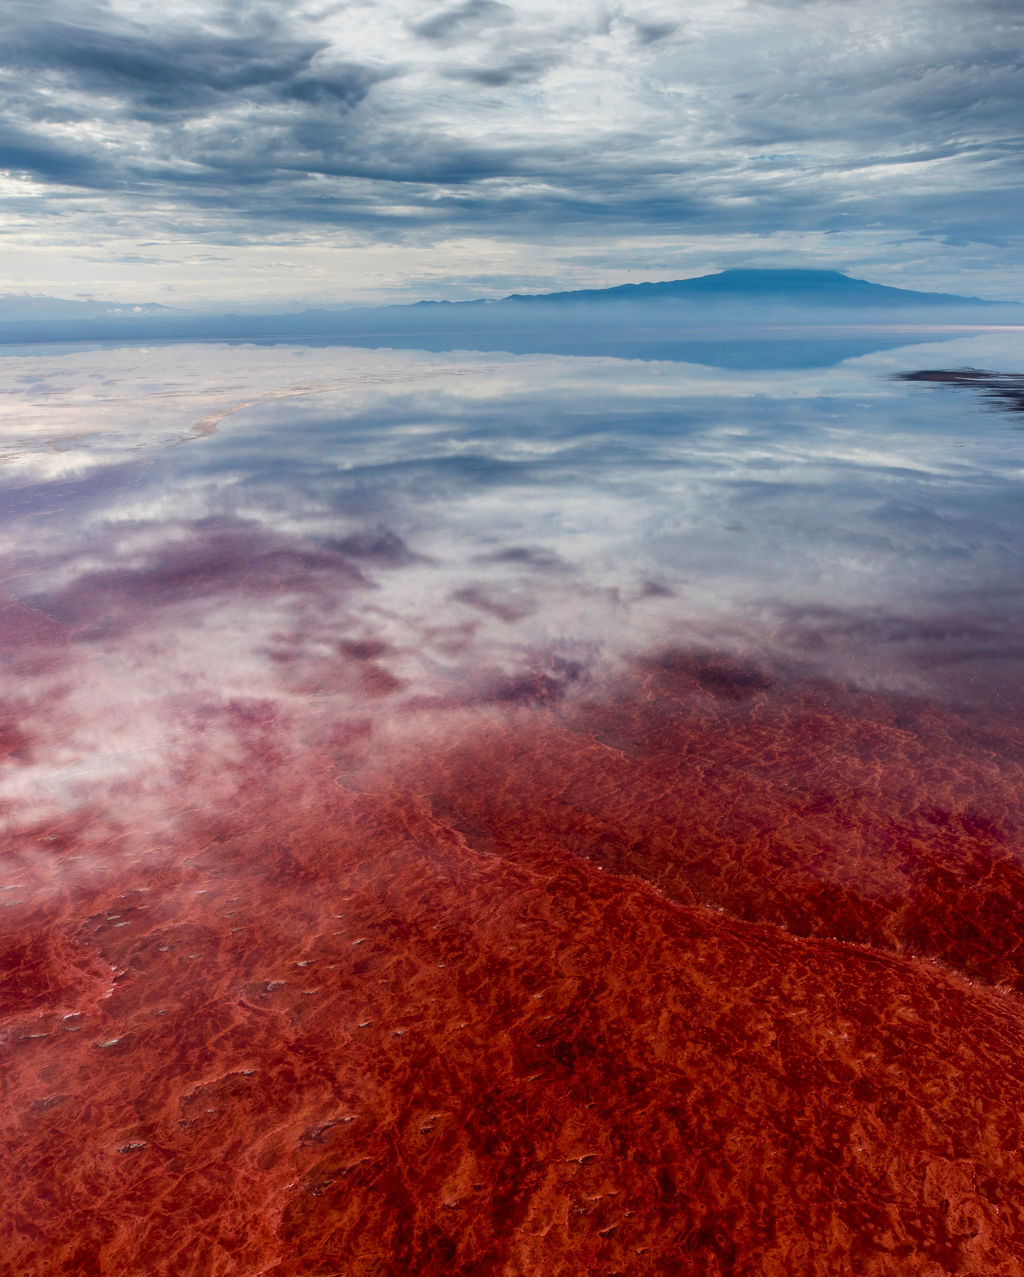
699 320
21 307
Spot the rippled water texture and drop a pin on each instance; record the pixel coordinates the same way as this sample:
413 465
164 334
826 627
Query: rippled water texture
475 814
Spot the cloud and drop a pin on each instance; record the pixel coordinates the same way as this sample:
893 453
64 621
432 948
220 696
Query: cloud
820 118
464 20
519 70
181 73
651 32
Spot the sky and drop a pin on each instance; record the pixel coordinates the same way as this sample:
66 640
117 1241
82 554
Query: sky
270 154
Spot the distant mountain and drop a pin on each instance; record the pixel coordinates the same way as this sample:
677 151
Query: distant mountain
717 319
803 287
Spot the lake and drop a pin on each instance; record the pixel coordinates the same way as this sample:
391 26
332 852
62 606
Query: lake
482 813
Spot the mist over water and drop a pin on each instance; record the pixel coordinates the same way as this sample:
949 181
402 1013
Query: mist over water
467 795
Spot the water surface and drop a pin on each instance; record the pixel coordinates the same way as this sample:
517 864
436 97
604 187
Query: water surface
471 812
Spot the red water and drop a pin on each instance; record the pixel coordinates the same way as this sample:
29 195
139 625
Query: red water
710 970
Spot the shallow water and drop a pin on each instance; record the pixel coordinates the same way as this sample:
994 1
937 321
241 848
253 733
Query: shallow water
482 813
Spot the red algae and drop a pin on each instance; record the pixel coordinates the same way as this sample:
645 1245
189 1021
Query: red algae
394 900
715 972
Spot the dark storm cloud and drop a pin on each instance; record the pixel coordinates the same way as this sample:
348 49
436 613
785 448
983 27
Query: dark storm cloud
30 152
182 74
464 19
519 71
180 109
652 32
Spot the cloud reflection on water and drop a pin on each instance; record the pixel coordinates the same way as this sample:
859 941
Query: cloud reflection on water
477 522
